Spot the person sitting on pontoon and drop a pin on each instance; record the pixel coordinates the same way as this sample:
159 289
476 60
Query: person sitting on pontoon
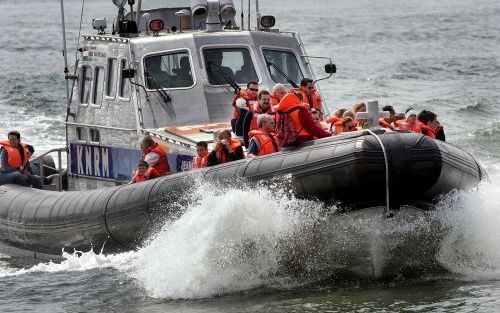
226 150
155 155
263 141
144 172
14 163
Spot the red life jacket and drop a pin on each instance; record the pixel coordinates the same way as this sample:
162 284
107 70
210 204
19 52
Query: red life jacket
268 142
249 98
403 125
221 155
162 165
200 162
14 158
384 124
334 119
291 105
151 173
315 98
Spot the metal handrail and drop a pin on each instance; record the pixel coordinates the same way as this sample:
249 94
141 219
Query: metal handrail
184 141
59 174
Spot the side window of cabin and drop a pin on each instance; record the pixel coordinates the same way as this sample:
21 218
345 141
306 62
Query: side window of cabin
111 78
81 134
98 85
282 62
228 65
124 82
171 70
86 79
94 135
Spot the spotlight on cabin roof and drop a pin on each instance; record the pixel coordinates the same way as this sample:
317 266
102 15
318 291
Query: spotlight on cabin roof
199 7
99 25
267 21
227 10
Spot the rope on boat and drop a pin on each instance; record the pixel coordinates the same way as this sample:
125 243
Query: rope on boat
387 210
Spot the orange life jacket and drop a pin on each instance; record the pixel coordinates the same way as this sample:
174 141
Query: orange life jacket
221 156
151 173
257 111
334 119
317 102
14 158
384 124
274 100
249 98
200 162
162 165
426 130
268 142
291 105
403 125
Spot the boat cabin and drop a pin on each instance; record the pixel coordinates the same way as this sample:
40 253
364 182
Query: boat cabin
171 72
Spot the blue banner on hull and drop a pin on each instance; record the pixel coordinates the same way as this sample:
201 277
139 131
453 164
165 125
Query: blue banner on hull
116 163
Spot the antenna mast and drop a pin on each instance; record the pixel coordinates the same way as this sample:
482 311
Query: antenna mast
249 8
65 54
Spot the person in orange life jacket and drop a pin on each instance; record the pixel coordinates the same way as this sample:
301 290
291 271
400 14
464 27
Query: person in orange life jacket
430 125
279 91
345 125
317 117
155 155
263 106
360 107
337 116
14 163
409 123
242 102
291 107
201 159
387 122
144 172
226 149
310 95
263 141
338 127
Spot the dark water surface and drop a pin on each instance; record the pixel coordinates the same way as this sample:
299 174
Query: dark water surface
441 55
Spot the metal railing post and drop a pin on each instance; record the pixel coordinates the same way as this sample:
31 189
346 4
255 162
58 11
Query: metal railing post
59 170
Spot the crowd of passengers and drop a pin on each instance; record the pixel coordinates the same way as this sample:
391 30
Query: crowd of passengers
267 122
271 121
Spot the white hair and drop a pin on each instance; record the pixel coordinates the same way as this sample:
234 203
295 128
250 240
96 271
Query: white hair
262 119
279 87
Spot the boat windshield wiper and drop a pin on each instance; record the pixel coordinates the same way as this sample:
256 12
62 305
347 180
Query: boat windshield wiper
280 71
163 94
227 79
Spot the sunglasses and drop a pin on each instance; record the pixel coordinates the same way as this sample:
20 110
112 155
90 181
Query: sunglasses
253 89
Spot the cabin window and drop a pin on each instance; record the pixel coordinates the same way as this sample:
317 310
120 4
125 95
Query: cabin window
284 62
98 85
94 135
85 84
81 134
111 79
172 70
228 65
125 83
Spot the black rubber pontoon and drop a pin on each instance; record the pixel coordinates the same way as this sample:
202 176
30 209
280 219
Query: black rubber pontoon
348 168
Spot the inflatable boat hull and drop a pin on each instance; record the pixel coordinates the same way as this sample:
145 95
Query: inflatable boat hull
348 169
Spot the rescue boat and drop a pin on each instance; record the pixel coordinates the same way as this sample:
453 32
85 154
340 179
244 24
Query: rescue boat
176 84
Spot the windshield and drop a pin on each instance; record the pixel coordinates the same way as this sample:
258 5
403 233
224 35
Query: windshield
286 62
172 70
229 64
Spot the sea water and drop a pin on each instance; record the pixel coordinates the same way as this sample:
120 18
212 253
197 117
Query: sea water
256 250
